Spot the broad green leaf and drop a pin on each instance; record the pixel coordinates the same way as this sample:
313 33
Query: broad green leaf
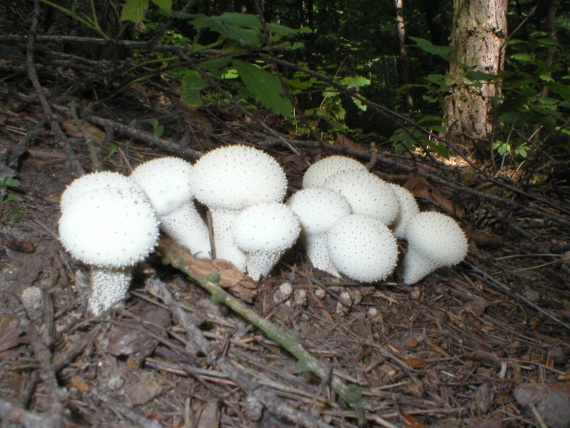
134 10
192 84
524 57
229 25
480 75
560 89
546 78
165 5
355 81
264 86
547 100
280 30
429 47
359 104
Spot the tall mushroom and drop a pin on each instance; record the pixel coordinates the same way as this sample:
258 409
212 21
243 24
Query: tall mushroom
264 231
434 240
318 209
166 182
230 178
111 232
318 173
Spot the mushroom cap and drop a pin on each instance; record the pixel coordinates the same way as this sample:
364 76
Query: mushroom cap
112 181
109 229
233 177
362 248
318 209
437 237
318 173
166 182
267 227
366 193
408 209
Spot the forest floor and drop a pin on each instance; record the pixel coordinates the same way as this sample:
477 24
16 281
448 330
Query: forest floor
482 344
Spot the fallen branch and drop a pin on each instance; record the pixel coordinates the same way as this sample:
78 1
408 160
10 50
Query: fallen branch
253 390
176 256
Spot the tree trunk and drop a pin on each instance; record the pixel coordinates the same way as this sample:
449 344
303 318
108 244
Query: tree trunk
478 33
403 53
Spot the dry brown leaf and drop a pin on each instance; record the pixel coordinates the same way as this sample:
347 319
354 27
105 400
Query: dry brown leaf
10 332
421 188
476 306
79 383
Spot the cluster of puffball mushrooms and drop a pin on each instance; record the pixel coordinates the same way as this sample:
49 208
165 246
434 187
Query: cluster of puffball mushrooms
347 218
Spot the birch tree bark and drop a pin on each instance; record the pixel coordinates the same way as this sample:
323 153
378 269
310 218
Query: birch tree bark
478 34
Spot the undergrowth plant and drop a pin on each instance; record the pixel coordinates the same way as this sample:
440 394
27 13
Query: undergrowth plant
531 113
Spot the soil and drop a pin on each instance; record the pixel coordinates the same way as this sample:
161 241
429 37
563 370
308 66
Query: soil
481 344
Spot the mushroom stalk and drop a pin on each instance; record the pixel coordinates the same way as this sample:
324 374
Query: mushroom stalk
187 228
225 248
109 286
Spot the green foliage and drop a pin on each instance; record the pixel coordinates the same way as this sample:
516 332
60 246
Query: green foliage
157 128
10 211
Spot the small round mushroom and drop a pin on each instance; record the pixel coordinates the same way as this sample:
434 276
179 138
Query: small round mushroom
434 240
318 173
111 232
362 248
366 193
166 182
229 179
318 209
408 209
264 231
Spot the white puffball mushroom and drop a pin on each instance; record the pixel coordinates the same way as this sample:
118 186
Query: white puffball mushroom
318 209
112 181
362 248
166 182
434 240
366 193
264 231
408 209
111 232
230 178
318 173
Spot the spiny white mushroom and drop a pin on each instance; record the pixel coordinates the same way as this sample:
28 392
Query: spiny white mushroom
408 209
111 232
366 193
434 240
264 231
230 178
318 209
166 182
318 173
362 248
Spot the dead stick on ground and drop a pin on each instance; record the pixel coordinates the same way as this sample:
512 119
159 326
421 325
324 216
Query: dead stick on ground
239 376
351 394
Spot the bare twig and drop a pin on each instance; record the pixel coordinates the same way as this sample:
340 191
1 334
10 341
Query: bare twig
351 394
239 376
56 129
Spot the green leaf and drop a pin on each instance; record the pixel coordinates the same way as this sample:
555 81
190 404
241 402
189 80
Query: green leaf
480 75
522 151
524 57
358 103
280 30
429 47
158 129
192 84
165 5
355 81
134 10
264 86
242 28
